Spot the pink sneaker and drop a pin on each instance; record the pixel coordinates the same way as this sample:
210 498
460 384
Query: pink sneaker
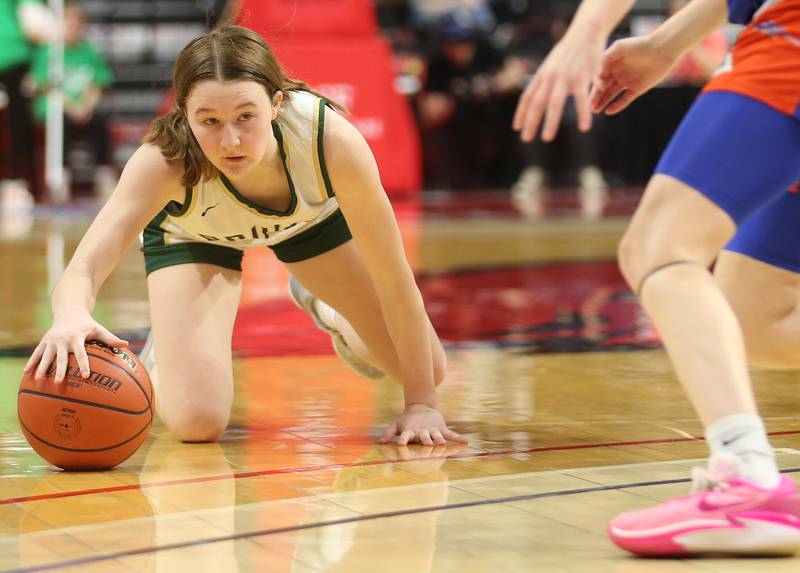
726 515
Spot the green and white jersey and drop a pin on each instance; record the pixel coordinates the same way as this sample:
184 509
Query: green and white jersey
215 213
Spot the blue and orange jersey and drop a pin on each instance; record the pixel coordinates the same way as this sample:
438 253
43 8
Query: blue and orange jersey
742 11
765 60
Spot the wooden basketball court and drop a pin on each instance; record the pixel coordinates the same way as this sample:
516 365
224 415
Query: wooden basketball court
555 375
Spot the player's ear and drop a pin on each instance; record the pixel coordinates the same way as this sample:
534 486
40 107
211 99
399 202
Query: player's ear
277 99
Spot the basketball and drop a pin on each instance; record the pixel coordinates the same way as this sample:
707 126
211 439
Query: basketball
88 424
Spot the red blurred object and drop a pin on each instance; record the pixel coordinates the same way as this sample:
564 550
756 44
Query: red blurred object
315 18
334 46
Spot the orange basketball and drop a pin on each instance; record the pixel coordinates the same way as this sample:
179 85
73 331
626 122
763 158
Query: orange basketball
91 424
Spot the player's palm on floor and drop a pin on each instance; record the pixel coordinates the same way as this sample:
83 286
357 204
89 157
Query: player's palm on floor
630 67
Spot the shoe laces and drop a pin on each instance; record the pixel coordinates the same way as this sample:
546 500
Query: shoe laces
716 477
704 479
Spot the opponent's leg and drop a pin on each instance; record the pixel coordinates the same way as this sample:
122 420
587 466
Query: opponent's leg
665 254
340 280
764 298
731 156
192 311
759 271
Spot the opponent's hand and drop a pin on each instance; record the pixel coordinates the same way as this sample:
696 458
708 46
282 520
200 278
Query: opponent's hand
68 335
629 68
423 424
567 71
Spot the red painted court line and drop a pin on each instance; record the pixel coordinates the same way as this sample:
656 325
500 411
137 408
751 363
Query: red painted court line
306 469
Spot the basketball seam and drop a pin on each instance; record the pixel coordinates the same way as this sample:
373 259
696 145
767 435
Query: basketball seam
128 374
86 402
87 451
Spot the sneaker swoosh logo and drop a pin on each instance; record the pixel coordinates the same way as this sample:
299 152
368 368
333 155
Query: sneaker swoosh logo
207 209
723 500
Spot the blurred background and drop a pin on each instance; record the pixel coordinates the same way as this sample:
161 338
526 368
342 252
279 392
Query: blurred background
432 84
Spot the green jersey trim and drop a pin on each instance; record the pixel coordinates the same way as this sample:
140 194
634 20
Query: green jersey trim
175 209
153 234
276 130
321 148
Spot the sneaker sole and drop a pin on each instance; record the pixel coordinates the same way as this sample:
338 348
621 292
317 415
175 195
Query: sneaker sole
753 537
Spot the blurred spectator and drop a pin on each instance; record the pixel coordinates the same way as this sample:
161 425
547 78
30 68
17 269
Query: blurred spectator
574 152
86 74
23 23
462 108
475 15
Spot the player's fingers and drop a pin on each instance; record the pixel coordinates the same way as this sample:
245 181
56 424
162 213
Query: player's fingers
104 335
621 102
390 433
35 357
555 107
438 438
454 436
424 437
79 350
581 96
47 358
405 437
62 359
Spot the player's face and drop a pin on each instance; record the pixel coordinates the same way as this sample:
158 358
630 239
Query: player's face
232 123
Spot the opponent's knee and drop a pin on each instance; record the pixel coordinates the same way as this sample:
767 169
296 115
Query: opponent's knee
639 264
631 260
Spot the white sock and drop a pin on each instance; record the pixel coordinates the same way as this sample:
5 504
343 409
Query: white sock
325 312
744 436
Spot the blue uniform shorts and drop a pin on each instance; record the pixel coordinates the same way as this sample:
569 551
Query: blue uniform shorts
744 156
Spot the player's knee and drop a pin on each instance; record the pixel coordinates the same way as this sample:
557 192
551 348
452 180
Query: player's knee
198 424
439 368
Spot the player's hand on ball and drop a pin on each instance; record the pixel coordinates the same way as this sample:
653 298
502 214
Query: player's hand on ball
422 424
67 336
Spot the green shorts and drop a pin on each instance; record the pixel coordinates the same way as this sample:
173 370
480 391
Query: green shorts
320 238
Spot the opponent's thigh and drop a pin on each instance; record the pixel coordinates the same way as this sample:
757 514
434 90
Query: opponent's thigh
192 310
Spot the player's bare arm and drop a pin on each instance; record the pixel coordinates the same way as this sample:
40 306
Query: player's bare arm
148 182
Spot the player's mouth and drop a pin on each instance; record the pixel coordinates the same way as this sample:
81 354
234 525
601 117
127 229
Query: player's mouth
235 158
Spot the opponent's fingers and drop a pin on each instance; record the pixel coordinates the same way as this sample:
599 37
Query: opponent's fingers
390 433
47 357
534 112
621 102
62 359
583 108
601 98
555 108
524 101
35 357
438 438
424 437
79 350
405 437
454 436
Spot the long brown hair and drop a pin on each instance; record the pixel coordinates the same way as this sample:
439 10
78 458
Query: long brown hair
226 53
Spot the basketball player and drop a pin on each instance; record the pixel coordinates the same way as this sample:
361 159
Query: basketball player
721 183
249 157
